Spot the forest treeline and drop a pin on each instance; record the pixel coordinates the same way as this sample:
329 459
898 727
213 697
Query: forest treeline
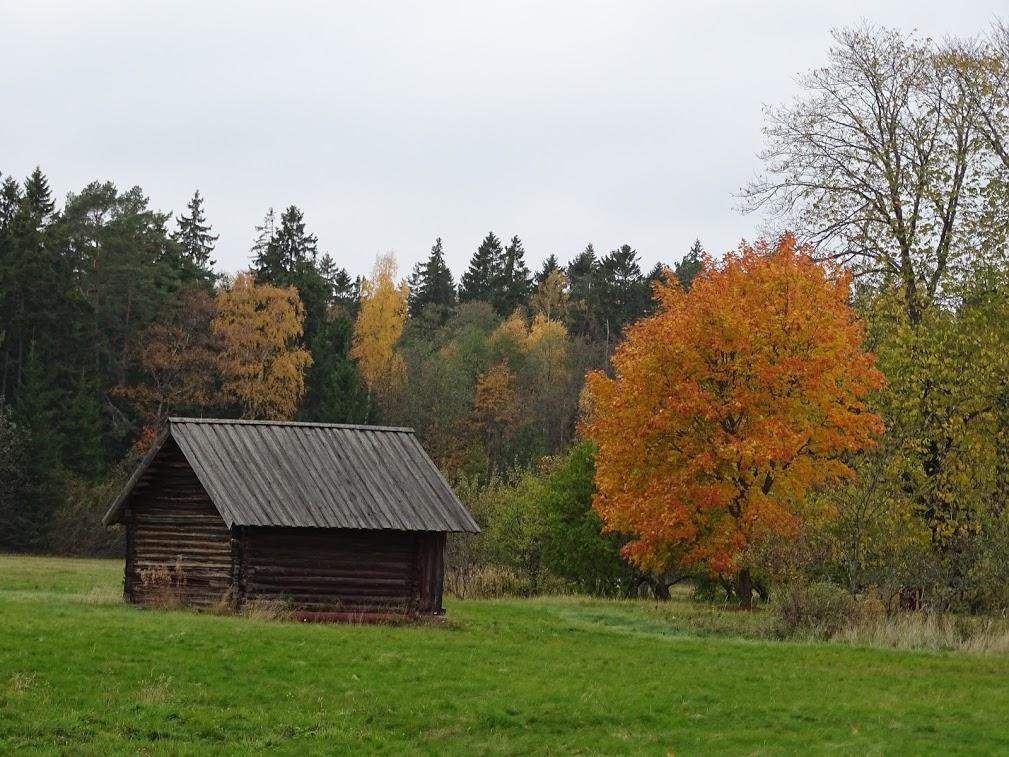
891 164
114 320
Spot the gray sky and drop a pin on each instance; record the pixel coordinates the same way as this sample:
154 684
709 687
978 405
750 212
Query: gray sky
392 123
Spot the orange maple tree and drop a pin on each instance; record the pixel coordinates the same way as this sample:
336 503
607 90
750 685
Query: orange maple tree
727 406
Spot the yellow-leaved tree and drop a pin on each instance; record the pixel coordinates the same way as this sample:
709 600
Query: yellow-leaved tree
379 325
261 362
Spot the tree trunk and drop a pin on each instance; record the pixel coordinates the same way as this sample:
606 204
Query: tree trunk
659 588
744 589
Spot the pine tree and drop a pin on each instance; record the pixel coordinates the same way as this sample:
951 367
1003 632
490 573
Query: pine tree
515 284
194 235
484 272
690 266
434 285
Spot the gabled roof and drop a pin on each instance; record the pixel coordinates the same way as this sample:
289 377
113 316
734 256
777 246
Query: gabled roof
265 473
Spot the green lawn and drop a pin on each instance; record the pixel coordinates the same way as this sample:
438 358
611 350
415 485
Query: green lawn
82 674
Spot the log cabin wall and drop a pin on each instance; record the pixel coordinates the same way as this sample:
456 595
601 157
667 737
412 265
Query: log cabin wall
342 570
178 548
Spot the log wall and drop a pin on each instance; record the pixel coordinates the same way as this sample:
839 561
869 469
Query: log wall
342 571
178 548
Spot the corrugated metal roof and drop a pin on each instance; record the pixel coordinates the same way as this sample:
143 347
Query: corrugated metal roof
265 473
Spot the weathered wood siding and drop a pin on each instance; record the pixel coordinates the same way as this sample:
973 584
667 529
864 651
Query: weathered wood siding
342 570
178 548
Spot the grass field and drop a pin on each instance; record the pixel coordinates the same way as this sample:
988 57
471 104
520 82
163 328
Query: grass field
82 674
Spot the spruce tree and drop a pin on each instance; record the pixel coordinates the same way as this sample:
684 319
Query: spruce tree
549 266
515 283
655 276
583 274
289 257
434 286
413 300
623 295
346 291
194 235
690 266
264 235
484 272
281 253
340 288
10 200
38 196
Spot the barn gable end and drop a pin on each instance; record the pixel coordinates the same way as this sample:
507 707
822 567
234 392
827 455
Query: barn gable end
178 548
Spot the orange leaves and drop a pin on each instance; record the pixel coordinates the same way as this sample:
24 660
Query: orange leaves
728 405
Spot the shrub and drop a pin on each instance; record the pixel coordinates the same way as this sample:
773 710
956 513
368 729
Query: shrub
487 582
818 610
76 527
267 609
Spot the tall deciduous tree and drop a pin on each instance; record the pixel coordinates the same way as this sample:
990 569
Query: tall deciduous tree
379 326
881 163
551 296
494 410
177 364
727 406
261 364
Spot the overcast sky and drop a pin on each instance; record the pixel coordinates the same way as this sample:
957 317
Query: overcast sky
393 123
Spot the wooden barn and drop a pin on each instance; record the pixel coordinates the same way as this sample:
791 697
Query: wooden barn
329 519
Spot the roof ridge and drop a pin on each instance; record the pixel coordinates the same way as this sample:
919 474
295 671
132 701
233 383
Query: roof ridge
306 424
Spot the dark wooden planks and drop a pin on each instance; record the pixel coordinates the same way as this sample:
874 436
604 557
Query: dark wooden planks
334 570
178 546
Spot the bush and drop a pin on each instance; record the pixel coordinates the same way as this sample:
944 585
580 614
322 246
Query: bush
488 582
76 527
818 610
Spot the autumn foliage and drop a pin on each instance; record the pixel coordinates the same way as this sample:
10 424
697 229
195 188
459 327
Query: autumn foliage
727 406
261 362
379 326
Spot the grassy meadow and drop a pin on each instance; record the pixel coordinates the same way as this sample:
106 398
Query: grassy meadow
80 673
